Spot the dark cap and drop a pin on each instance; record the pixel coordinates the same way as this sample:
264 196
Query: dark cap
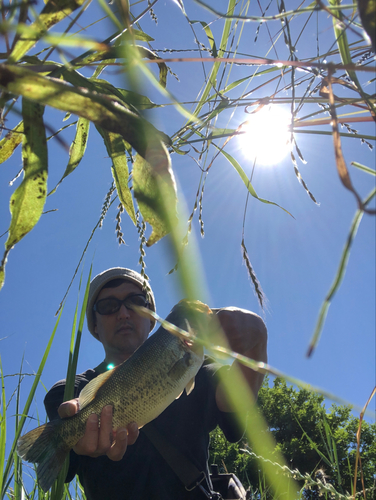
114 273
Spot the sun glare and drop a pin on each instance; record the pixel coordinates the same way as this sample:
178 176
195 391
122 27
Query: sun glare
266 135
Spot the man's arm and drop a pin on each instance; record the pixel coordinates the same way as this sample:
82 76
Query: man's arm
247 335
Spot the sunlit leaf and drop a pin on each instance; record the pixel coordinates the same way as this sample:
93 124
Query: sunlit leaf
9 143
247 182
27 202
116 147
127 96
155 191
222 132
97 108
210 36
77 149
52 13
143 52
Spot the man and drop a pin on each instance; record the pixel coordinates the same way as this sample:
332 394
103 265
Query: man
123 464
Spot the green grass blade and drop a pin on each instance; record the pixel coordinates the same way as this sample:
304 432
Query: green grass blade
26 408
17 484
3 427
369 170
339 276
59 485
246 181
73 355
314 446
210 36
211 83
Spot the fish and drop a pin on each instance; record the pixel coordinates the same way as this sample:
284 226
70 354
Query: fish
139 389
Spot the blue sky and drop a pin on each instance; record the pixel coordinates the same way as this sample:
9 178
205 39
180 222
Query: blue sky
295 259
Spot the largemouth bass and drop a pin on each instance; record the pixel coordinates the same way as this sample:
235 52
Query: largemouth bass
139 390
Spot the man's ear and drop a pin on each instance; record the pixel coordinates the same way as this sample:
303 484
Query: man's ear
95 333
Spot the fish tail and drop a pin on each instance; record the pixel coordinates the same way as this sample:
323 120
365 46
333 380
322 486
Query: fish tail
45 447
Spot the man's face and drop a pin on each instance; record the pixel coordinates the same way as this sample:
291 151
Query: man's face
121 333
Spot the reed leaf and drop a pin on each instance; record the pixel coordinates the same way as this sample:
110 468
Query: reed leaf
10 142
27 202
116 148
52 13
77 149
339 276
155 194
247 182
97 108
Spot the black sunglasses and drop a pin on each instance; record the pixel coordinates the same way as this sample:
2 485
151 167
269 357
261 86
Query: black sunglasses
112 304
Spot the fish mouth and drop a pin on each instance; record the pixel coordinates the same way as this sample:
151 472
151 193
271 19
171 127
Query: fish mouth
195 347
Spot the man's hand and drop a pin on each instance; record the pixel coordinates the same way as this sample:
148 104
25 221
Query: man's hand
247 335
101 440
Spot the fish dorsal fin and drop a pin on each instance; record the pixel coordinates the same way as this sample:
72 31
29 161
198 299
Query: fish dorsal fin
90 390
190 386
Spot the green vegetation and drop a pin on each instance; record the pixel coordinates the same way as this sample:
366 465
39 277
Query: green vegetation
319 445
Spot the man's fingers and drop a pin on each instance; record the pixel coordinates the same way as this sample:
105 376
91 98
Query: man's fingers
123 438
68 408
133 432
88 444
119 447
102 440
105 431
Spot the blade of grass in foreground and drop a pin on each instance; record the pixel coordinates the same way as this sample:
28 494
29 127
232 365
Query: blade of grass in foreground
59 485
17 483
339 276
359 431
242 399
3 426
24 414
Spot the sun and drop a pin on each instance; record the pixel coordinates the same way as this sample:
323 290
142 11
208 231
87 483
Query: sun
266 135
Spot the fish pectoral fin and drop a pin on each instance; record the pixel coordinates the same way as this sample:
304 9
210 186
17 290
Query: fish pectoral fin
178 369
190 386
177 397
90 390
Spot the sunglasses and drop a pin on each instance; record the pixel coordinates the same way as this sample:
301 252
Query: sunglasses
112 304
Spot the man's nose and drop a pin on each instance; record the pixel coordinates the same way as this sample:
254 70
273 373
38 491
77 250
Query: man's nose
123 312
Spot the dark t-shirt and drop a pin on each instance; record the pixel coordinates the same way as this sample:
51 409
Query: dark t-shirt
143 474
